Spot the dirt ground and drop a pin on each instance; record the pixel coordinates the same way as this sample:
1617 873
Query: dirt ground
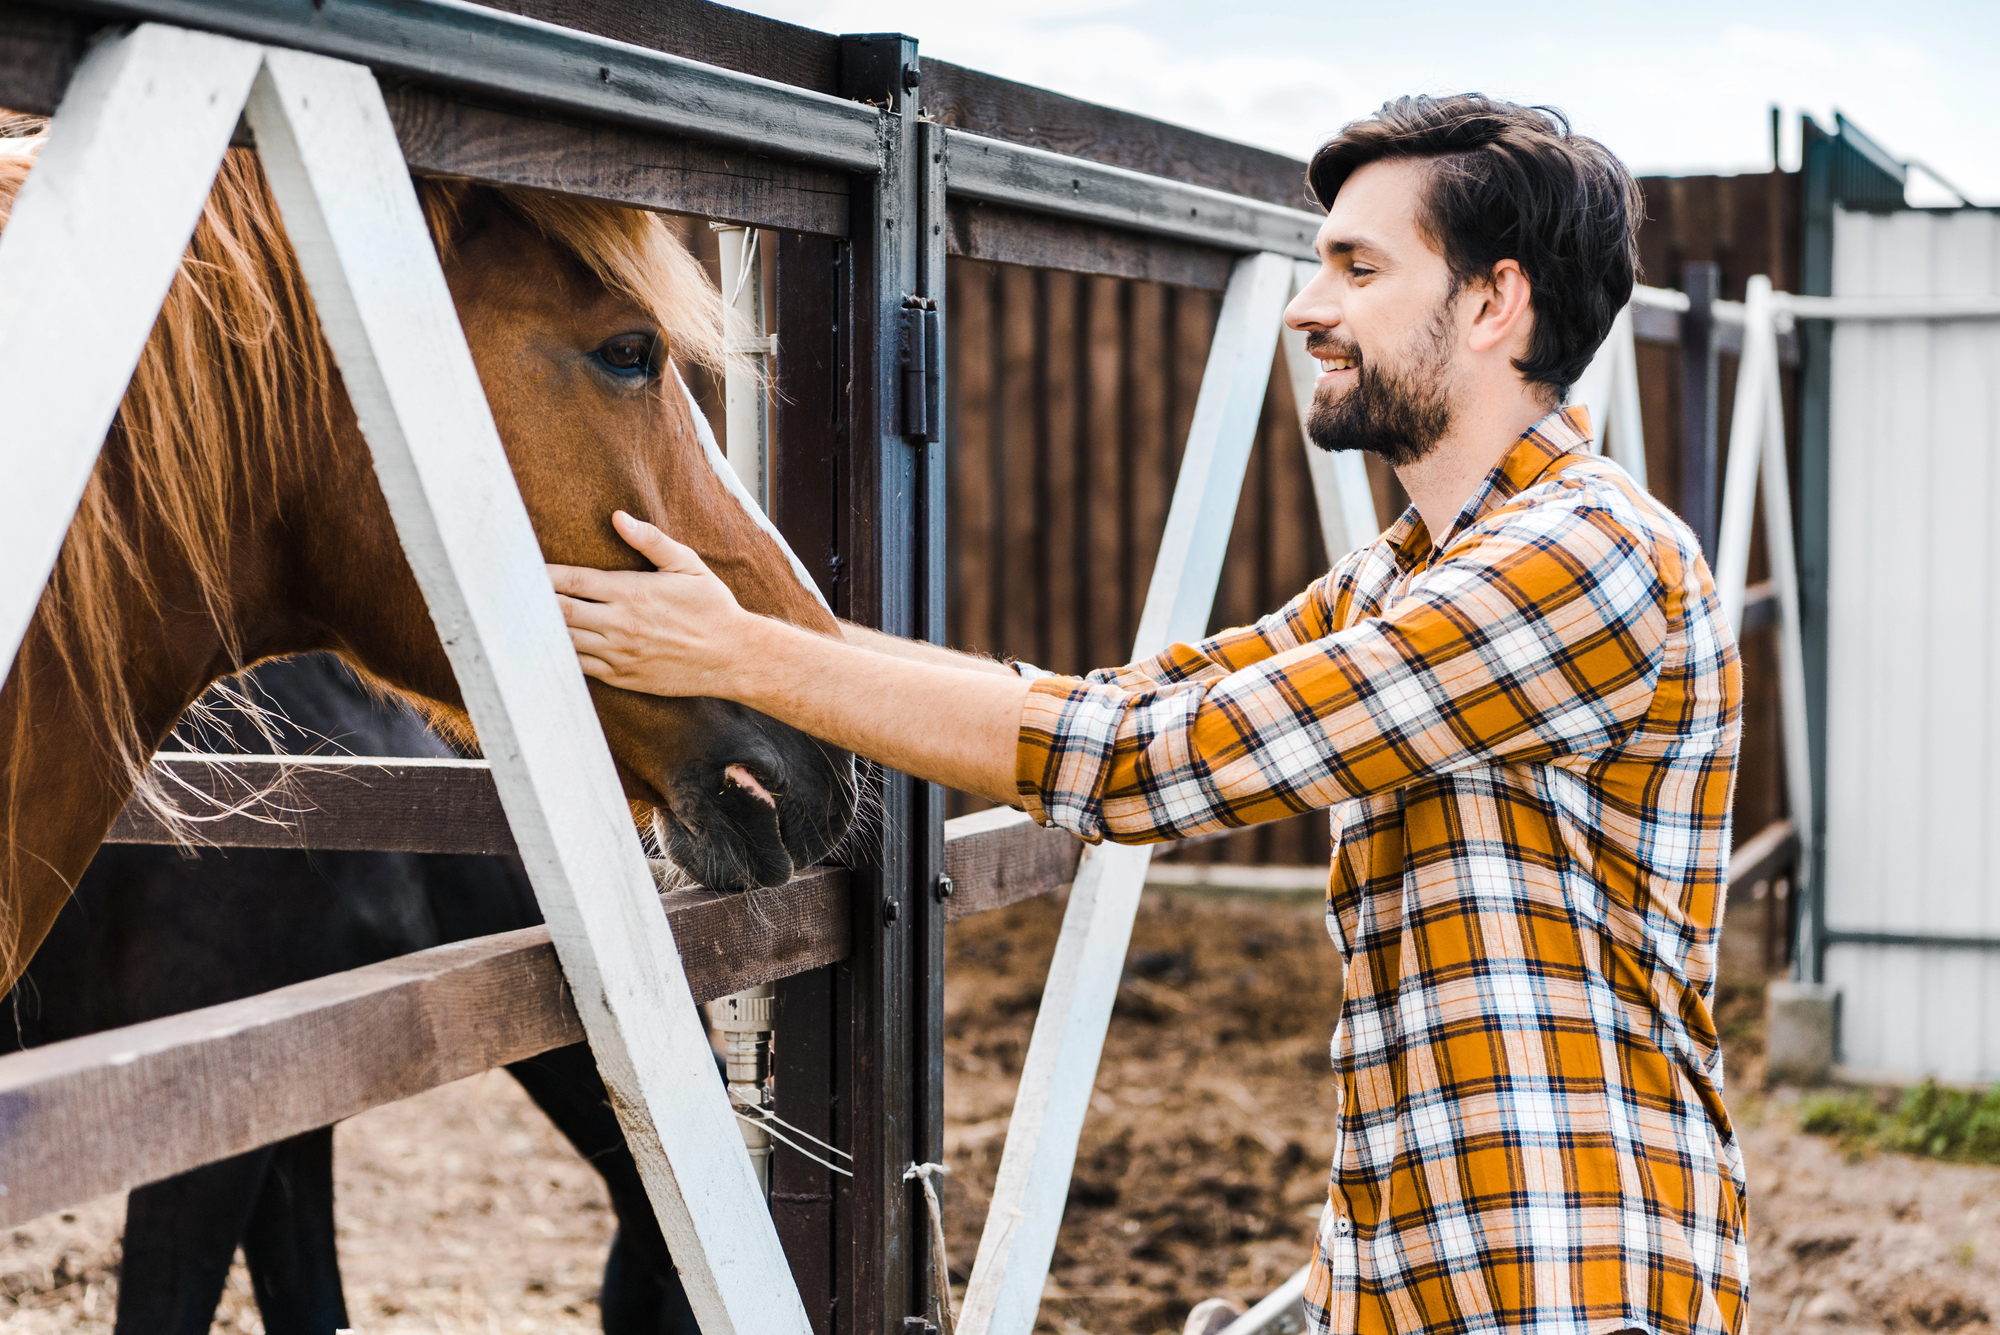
1201 1171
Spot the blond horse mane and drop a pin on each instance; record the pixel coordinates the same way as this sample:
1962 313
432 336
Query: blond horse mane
233 383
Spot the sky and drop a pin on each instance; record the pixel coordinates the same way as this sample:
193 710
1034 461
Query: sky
1673 89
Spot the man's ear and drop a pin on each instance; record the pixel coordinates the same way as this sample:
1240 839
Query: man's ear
1504 314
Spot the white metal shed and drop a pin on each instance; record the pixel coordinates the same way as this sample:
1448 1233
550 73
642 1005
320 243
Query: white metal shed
1911 879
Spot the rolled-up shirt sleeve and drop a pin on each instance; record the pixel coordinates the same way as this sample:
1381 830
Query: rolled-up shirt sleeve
1538 633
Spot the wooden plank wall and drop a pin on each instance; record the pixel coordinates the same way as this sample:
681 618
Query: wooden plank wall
1070 398
1747 224
1070 402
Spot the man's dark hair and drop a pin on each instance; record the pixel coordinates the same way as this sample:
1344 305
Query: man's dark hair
1511 183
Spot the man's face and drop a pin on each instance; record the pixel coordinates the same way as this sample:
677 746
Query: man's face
1380 320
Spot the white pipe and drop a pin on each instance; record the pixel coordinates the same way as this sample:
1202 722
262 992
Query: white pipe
746 425
1888 308
1269 1316
1660 298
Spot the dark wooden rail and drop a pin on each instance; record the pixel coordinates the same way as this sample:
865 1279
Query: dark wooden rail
115 1110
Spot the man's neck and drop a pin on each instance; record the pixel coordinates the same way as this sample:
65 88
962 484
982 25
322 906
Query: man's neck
1481 435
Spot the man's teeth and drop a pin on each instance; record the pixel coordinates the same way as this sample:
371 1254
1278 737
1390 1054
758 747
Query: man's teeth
1336 363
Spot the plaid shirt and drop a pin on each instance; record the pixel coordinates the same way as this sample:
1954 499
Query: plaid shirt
1527 736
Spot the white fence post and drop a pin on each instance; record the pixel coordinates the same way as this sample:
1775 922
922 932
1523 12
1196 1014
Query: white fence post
94 242
1340 481
1627 427
348 204
1756 381
1757 451
1791 639
1609 389
1061 1065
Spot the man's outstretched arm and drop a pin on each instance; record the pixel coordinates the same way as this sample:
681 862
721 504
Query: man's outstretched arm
948 718
918 651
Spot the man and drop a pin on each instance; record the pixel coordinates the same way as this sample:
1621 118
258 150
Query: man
1520 704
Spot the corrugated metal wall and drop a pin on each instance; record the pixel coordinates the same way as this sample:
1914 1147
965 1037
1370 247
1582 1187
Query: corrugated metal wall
1913 679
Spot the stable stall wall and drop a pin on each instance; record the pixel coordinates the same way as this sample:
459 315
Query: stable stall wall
1913 677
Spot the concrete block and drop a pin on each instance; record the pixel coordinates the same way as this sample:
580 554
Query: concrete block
1801 1032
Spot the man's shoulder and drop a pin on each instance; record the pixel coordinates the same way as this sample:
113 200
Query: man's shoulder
1589 501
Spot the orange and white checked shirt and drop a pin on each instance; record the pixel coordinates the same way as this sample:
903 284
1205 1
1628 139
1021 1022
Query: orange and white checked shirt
1527 735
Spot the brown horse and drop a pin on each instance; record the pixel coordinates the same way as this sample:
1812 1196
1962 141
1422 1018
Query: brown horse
234 516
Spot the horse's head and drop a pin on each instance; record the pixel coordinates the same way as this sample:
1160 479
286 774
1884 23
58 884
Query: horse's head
577 315
235 516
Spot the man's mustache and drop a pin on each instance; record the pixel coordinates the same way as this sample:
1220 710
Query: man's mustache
1323 344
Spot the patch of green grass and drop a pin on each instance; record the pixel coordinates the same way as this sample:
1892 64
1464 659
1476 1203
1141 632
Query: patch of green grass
1929 1120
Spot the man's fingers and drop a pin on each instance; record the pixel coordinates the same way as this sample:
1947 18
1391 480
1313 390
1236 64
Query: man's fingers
595 667
582 582
582 614
590 642
650 542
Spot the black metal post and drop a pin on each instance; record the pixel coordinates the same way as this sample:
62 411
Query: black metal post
1817 165
933 580
810 440
1703 284
881 1227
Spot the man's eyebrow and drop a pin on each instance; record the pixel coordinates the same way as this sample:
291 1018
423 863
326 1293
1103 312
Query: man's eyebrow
1350 246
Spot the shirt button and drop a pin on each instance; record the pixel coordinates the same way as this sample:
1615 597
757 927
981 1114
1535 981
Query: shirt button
1343 1226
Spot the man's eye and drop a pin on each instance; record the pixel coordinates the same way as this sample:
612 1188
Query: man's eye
628 354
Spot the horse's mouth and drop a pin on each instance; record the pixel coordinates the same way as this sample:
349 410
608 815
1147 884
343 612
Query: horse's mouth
726 836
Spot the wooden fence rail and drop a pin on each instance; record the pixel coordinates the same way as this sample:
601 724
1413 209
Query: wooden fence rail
115 1110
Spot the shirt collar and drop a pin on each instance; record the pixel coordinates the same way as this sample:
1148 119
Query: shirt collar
1536 454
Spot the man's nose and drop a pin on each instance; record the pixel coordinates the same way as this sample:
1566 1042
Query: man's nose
1313 308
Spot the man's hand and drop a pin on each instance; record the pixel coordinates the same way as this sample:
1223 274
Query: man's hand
675 631
678 630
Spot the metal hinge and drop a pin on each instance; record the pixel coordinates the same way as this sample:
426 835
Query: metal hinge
918 353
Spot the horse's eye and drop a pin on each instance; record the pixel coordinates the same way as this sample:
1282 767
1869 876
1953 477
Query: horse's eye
628 354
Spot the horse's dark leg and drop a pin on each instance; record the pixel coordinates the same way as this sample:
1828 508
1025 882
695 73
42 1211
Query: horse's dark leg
642 1290
180 1236
635 1300
289 1243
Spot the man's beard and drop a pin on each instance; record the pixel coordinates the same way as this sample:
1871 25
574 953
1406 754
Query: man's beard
1398 413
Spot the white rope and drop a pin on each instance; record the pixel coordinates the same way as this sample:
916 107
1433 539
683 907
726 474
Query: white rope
792 1145
763 1114
940 1272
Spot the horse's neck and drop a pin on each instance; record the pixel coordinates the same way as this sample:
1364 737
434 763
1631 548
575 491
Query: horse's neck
62 781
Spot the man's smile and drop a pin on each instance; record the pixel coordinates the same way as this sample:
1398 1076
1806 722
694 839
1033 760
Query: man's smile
1333 369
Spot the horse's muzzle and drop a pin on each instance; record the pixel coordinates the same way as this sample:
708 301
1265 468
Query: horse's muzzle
763 802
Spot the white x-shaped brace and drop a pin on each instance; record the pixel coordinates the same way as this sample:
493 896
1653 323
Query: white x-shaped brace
1061 1065
94 242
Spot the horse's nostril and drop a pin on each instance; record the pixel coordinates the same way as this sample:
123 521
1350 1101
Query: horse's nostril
742 778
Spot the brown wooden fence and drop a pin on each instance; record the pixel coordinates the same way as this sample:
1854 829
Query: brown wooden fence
1071 397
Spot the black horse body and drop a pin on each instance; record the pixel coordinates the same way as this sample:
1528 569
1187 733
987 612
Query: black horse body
152 931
